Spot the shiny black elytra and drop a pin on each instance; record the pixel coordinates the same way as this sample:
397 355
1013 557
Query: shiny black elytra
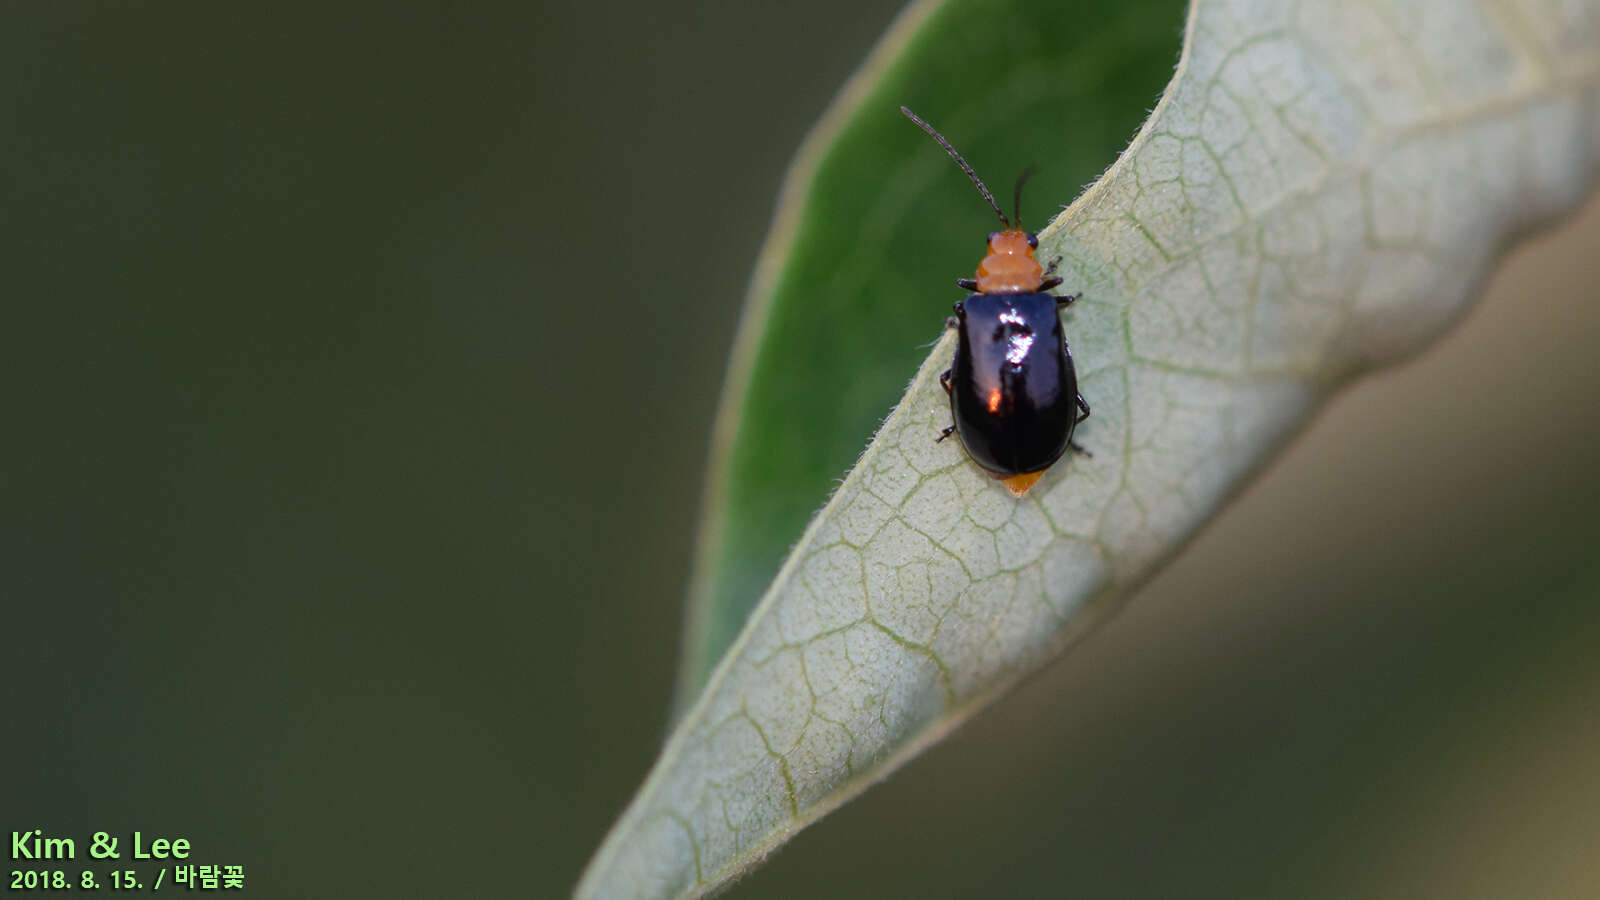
1013 393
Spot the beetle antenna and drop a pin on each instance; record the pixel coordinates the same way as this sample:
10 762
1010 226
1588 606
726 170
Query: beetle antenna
960 162
1016 199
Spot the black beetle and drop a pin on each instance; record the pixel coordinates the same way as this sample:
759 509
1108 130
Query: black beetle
1013 393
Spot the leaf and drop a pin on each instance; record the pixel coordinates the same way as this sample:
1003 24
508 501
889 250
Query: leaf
1321 190
856 279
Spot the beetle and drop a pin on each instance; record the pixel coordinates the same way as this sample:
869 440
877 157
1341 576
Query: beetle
1013 392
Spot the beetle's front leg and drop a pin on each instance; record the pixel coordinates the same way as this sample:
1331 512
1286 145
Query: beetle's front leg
1050 280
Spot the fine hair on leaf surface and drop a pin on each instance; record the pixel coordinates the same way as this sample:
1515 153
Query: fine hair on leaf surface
1321 189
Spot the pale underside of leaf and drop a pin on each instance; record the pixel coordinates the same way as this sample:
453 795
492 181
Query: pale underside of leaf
1320 190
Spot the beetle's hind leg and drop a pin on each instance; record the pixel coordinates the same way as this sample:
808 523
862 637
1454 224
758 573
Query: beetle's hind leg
1076 448
944 433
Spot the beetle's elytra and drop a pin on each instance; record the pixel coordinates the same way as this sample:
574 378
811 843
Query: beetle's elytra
1013 394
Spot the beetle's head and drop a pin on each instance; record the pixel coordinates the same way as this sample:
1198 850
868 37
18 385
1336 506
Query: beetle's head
1012 242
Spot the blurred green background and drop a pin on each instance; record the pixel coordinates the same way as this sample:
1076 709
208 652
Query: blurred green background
360 365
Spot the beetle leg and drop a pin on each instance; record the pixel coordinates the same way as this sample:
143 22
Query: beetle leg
967 284
944 382
1076 448
1050 280
1067 299
944 434
961 313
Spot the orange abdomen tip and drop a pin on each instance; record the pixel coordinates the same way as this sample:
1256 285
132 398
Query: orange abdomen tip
1019 484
